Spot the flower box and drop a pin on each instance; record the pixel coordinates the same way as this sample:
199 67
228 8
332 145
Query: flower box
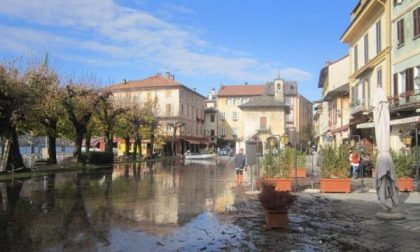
301 173
281 185
276 219
406 184
336 185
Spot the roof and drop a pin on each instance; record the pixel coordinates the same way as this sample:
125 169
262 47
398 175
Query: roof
264 102
341 90
241 90
155 81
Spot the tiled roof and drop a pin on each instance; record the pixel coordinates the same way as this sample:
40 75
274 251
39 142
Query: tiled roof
153 81
263 101
241 90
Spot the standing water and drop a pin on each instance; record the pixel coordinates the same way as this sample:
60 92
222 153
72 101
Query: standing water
162 206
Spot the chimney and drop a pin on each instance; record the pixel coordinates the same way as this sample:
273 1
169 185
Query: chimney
158 74
125 81
246 83
172 77
168 75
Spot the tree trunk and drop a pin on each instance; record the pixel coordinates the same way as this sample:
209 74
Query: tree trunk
152 143
127 145
88 138
139 144
77 153
15 158
136 140
108 142
52 153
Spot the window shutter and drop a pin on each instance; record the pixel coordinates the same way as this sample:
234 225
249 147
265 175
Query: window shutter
409 85
416 22
396 84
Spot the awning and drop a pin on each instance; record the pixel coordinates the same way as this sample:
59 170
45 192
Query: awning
340 129
193 141
413 119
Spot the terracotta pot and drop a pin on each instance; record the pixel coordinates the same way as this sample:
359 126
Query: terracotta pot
336 185
276 219
301 172
282 185
406 184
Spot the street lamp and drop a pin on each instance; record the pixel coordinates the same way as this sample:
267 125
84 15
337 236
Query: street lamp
284 139
407 140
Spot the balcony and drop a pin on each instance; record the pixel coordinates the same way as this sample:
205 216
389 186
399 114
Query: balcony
405 102
357 107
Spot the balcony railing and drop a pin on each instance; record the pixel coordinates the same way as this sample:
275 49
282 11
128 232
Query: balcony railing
405 101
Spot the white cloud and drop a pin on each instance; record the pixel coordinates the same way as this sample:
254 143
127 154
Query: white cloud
95 31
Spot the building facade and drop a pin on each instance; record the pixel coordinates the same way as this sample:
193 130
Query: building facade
405 88
230 116
333 80
211 118
176 105
368 37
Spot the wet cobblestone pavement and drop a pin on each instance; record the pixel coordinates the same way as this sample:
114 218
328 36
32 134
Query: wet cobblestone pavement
330 222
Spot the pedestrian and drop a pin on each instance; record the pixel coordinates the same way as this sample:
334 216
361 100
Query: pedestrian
354 160
239 162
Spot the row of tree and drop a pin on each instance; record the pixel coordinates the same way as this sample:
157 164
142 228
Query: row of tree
35 101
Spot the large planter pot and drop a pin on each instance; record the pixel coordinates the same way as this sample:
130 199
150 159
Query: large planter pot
282 185
301 172
336 185
406 184
276 219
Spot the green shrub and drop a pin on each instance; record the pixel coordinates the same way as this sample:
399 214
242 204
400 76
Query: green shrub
403 162
335 163
277 165
98 157
301 159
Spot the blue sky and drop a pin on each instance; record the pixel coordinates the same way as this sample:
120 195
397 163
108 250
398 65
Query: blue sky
203 43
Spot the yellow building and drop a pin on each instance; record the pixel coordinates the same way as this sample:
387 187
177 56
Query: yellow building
369 40
230 116
176 104
333 80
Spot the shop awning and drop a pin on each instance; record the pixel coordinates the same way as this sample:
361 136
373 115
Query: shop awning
340 129
413 119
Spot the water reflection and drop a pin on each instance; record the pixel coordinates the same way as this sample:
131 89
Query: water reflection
155 205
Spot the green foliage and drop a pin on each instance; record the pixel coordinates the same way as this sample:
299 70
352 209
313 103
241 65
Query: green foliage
301 159
403 162
335 163
277 165
95 157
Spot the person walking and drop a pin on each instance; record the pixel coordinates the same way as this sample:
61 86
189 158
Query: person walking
239 162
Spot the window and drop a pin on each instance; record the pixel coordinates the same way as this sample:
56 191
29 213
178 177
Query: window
400 32
417 87
366 47
212 132
355 52
168 109
378 37
263 123
222 116
222 131
212 118
168 127
401 82
409 79
234 131
416 22
182 109
379 77
235 116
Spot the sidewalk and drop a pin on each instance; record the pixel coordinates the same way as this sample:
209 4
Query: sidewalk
332 222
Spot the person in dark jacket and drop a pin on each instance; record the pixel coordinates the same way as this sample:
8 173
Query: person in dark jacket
239 162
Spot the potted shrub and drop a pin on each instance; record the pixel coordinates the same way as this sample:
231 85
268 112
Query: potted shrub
277 168
334 170
301 165
403 160
276 205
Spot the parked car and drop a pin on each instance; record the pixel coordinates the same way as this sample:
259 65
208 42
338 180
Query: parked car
223 152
